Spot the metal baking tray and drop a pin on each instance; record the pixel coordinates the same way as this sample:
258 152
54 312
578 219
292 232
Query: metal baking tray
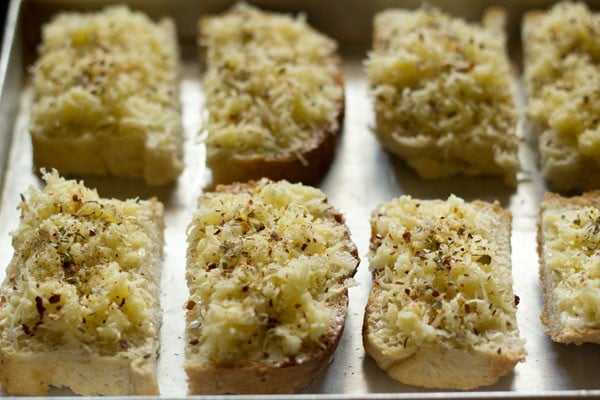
361 176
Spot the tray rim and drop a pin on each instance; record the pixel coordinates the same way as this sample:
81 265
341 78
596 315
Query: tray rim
9 60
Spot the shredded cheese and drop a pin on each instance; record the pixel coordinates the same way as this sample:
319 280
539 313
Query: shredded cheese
80 274
271 82
266 270
444 95
562 75
441 272
571 249
112 73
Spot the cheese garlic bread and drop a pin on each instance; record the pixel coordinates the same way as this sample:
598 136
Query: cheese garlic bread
106 97
79 306
269 264
562 78
442 312
444 93
274 96
569 253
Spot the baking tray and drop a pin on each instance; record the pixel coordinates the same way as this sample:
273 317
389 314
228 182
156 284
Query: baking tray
361 176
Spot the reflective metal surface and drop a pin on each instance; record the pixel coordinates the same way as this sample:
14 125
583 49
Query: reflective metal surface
362 176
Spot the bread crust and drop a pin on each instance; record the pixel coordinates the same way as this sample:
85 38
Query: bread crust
32 373
440 366
443 364
558 330
267 376
308 164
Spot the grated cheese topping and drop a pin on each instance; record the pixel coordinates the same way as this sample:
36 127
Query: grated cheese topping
271 82
571 248
111 73
80 272
562 75
444 95
267 267
442 271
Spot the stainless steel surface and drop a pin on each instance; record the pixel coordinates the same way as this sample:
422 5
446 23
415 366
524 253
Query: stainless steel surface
362 176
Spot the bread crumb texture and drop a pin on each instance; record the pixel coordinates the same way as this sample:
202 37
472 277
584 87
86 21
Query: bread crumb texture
571 256
271 82
444 93
109 75
562 78
80 277
268 266
442 279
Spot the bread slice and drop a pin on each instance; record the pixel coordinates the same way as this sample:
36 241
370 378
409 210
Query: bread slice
442 312
562 79
274 95
106 97
444 93
569 254
268 268
79 306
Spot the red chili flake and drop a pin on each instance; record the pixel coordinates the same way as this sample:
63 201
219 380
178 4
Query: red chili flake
275 236
499 351
245 288
92 232
517 300
124 344
339 218
467 68
39 305
26 329
304 246
122 303
55 298
467 308
435 293
406 236
75 197
194 342
190 305
297 305
407 291
211 266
